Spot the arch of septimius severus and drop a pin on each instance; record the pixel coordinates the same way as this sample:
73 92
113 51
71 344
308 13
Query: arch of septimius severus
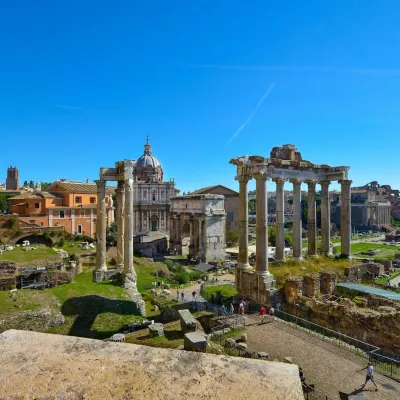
285 164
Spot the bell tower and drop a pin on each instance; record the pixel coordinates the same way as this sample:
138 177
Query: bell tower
12 182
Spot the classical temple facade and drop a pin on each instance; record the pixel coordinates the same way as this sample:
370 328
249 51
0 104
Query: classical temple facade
152 196
285 164
198 226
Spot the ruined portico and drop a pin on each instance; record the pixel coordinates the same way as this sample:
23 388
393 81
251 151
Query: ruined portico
123 174
285 164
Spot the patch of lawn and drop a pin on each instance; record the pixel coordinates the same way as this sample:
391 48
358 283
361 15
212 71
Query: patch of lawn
227 291
173 337
24 300
384 251
22 257
95 310
309 266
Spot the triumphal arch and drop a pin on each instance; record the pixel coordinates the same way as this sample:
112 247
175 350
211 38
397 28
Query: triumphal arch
285 165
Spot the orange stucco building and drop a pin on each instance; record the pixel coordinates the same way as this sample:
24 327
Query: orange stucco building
72 205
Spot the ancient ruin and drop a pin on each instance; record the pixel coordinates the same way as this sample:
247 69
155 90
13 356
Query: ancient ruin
122 173
200 219
285 164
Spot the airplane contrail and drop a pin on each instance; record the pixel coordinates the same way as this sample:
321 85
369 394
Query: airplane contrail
250 117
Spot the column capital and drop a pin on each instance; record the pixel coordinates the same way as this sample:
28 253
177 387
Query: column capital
324 183
279 181
100 183
261 175
296 181
243 178
311 184
345 182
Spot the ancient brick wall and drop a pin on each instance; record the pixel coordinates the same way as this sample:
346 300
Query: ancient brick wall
8 268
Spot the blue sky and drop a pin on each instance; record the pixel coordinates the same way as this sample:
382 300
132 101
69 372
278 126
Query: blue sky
82 83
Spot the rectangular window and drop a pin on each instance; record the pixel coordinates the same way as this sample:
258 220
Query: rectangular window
62 214
92 200
31 221
78 199
229 216
26 204
37 205
154 197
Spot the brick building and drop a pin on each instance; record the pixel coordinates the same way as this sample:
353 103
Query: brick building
72 205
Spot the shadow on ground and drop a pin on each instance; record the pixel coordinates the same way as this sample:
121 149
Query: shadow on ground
87 308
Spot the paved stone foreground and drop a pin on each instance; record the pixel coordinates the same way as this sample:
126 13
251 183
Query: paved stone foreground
331 368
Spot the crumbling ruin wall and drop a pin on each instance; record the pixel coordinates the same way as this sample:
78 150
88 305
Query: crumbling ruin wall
366 271
311 285
8 268
328 281
7 283
292 289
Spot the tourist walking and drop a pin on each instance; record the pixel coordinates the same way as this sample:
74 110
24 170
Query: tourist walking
263 312
194 295
241 308
369 376
271 314
232 309
183 295
177 295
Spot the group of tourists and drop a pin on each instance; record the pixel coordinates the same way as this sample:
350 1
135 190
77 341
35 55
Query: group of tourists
181 295
264 315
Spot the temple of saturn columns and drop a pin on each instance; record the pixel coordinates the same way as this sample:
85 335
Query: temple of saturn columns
123 174
285 164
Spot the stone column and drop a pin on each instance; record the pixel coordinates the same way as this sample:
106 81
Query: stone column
325 218
345 218
243 259
297 223
179 234
262 224
312 220
101 226
129 271
120 192
280 220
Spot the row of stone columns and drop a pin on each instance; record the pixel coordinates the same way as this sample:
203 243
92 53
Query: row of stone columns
262 219
125 228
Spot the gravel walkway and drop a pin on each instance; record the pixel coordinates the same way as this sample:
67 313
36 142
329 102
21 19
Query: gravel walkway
329 367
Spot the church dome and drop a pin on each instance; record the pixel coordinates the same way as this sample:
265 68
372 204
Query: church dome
147 159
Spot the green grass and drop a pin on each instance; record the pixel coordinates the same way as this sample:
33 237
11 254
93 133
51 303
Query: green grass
383 280
24 300
93 309
22 257
310 265
43 253
384 251
227 291
173 337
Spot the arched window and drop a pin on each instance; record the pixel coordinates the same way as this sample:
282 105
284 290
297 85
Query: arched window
79 229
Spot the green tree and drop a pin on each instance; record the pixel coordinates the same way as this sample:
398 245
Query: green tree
31 184
111 233
233 237
25 183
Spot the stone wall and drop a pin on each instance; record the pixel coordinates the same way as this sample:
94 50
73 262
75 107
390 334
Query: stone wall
7 283
311 285
366 271
8 268
328 281
215 238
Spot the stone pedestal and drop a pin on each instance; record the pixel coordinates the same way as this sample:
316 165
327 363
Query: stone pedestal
195 341
156 329
188 322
